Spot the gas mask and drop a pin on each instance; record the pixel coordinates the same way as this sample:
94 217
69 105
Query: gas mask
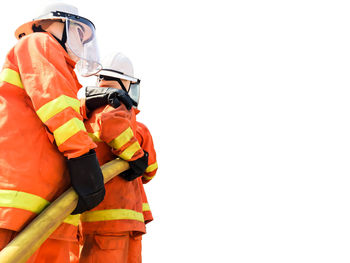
134 88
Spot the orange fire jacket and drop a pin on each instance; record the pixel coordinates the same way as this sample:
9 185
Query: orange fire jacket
125 207
145 139
40 123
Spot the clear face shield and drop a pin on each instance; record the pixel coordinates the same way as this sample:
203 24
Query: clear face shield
134 91
81 41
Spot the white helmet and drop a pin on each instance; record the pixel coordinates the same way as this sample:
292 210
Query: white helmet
79 33
119 66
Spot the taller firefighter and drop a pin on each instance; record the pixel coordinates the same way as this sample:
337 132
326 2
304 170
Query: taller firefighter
44 145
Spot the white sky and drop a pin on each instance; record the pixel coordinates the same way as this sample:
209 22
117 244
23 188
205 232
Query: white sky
248 103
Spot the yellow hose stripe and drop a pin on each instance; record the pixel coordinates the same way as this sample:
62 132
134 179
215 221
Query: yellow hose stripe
122 139
72 220
145 207
128 153
95 136
151 167
57 105
111 214
22 200
67 130
11 76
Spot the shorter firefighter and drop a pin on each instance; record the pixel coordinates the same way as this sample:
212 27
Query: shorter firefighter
113 230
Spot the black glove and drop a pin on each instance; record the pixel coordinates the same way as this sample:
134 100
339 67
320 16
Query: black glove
97 97
87 180
137 168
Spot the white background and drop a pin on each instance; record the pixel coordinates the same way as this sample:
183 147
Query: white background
248 104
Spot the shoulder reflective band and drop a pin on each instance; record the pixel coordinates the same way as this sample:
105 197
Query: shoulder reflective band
145 207
122 139
67 130
29 202
129 152
11 76
57 105
95 136
111 214
151 167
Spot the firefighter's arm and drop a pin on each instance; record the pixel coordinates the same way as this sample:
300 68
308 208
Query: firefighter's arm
51 87
116 130
145 139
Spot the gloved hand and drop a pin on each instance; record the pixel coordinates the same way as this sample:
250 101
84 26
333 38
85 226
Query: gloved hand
96 97
87 180
137 168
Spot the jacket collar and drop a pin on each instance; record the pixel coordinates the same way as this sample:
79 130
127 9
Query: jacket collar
70 61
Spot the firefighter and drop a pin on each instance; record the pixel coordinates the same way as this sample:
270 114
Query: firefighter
44 145
113 230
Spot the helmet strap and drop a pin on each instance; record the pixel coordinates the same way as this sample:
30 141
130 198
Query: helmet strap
121 84
64 34
64 37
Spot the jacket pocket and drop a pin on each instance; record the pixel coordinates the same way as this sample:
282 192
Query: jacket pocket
117 242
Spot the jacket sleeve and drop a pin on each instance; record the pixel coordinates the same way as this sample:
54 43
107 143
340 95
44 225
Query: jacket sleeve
145 139
116 130
51 86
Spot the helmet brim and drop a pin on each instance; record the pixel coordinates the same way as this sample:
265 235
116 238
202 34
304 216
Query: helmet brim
114 74
25 29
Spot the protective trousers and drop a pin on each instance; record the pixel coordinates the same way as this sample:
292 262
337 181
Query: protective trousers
52 250
117 248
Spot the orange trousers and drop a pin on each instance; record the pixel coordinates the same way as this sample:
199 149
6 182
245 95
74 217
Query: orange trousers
52 250
117 248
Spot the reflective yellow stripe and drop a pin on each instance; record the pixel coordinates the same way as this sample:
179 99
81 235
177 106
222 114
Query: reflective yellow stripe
72 220
11 76
57 105
151 167
67 130
111 214
95 136
148 177
122 139
145 207
22 200
29 202
128 153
